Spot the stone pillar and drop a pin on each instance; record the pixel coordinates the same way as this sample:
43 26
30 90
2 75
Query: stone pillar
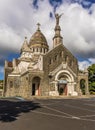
86 88
6 63
78 88
56 89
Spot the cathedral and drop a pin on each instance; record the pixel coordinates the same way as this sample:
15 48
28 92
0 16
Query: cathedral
40 71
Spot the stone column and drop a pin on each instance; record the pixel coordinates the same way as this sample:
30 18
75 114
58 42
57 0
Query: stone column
14 63
56 89
86 88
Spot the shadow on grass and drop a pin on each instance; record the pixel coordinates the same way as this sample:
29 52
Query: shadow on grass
10 110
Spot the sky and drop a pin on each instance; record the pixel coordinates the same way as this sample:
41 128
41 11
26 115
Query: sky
18 18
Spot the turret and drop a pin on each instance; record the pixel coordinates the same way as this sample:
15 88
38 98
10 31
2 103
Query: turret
25 46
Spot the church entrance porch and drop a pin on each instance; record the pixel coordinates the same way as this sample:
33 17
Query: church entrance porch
35 86
65 84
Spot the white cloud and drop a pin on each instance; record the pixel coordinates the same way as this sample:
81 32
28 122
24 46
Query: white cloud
18 18
9 40
78 29
92 60
86 63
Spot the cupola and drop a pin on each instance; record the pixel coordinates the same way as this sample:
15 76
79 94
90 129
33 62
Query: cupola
38 42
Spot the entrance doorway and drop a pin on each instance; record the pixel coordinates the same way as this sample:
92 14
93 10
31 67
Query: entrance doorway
36 86
62 84
62 89
33 89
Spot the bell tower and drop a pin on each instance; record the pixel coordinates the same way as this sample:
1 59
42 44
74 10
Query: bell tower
57 39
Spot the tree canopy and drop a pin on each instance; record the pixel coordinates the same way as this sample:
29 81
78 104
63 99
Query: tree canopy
91 71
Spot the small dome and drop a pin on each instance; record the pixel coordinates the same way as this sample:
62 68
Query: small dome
38 39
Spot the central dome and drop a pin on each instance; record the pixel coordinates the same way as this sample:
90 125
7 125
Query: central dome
38 39
38 43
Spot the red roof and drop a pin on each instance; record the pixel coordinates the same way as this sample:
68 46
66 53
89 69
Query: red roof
10 64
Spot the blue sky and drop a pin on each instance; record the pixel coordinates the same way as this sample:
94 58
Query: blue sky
18 19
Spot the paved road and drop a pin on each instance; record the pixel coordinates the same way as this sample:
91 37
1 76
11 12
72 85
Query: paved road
48 114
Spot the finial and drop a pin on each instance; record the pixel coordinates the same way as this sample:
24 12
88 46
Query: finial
25 38
57 16
38 26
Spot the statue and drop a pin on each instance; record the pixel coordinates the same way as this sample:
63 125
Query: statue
57 16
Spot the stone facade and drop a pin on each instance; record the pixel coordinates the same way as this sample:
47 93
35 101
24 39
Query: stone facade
43 72
1 88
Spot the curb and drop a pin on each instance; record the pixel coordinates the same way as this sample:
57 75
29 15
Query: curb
62 97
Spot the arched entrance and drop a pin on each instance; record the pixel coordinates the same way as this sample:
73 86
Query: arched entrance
62 85
36 86
65 83
82 86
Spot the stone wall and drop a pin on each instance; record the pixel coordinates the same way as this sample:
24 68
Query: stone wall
43 82
7 71
83 76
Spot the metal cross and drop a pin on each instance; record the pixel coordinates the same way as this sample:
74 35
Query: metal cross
38 26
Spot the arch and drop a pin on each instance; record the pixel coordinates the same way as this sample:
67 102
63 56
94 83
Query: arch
36 85
65 72
82 85
65 82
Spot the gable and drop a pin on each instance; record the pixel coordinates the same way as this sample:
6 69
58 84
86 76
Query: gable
58 55
62 67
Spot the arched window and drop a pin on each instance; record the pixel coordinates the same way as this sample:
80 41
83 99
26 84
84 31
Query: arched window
72 63
33 49
65 58
55 58
50 61
44 50
40 49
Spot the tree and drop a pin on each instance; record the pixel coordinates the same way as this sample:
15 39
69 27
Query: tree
91 77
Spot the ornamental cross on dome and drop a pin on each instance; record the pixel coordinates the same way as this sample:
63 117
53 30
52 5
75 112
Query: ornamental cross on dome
38 24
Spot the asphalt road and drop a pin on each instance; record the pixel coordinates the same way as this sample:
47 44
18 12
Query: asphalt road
48 114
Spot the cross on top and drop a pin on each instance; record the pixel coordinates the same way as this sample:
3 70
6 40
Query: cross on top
25 37
38 24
